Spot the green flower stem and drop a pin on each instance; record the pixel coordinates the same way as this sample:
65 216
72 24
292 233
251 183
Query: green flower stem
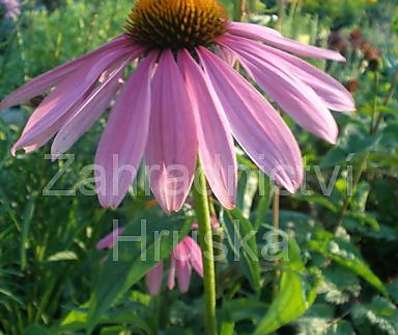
281 15
206 244
275 224
239 10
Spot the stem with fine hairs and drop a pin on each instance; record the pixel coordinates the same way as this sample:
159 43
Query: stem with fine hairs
202 210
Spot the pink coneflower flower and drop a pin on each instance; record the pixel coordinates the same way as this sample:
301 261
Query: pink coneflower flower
186 100
12 8
185 257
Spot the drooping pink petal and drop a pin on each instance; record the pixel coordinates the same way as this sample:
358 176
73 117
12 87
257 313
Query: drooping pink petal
172 149
195 254
255 124
216 149
51 78
180 253
251 30
87 113
295 97
124 139
333 93
153 279
45 121
184 273
109 240
271 38
47 133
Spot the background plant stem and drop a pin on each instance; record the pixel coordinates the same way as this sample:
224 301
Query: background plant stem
374 125
275 224
206 243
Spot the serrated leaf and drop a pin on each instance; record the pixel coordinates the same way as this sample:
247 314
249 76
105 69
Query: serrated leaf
295 296
345 254
339 285
380 314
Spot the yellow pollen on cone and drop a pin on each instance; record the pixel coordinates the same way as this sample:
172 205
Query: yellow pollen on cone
176 24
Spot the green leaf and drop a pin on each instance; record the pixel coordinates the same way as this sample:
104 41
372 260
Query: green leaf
363 218
340 328
380 315
247 188
239 230
135 259
320 320
63 256
295 296
27 219
264 201
244 309
339 285
354 139
318 199
37 330
360 197
393 289
345 254
227 328
76 319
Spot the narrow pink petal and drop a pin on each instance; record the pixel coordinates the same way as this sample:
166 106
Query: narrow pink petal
109 240
51 78
216 149
172 274
124 139
293 96
180 252
87 113
171 152
255 124
251 30
153 279
66 96
228 56
333 93
184 273
47 132
271 38
195 254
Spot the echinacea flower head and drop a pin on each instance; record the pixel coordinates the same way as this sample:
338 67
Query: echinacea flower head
186 100
185 257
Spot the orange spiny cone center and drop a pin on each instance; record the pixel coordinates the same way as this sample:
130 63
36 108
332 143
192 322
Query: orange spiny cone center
176 24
